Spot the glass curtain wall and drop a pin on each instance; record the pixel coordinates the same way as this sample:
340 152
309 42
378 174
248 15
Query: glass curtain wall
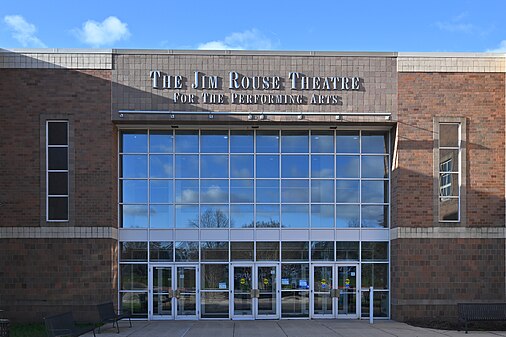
253 179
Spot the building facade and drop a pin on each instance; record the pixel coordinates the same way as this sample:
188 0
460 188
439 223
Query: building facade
251 185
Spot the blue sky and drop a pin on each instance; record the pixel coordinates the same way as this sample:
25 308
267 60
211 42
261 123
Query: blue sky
367 25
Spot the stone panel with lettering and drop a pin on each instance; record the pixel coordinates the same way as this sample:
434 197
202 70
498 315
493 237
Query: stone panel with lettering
231 85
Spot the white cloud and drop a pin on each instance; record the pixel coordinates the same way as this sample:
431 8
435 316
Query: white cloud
251 39
500 49
457 24
97 34
23 31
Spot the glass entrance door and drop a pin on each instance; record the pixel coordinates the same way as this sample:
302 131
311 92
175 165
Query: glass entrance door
255 292
347 282
323 292
243 292
268 292
186 292
162 293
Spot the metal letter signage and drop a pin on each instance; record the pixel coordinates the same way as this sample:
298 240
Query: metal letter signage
259 89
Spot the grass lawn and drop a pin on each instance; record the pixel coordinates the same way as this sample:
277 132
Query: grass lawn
27 330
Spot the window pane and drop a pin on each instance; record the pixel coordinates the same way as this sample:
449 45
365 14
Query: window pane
57 133
187 251
135 166
187 166
380 304
267 141
214 277
448 209
241 141
161 141
187 191
375 216
449 135
161 191
187 141
160 166
161 216
347 191
322 216
214 304
294 141
241 191
322 190
374 251
241 251
214 141
375 275
347 142
374 167
241 216
134 191
374 142
214 166
58 183
267 216
58 208
187 216
267 166
133 251
448 160
135 304
57 158
347 216
322 250
214 216
134 276
214 251
267 191
295 251
295 275
214 191
161 251
241 166
295 191
347 250
347 166
375 191
134 142
295 216
294 166
135 216
322 141
322 166
267 251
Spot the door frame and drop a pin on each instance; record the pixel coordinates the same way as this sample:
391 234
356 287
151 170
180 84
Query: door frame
333 286
358 296
232 290
151 315
174 315
277 266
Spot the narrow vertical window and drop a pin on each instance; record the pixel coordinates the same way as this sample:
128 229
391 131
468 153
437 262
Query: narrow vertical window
57 171
449 172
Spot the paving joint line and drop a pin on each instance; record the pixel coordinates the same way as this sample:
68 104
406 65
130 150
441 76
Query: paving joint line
187 330
334 331
282 329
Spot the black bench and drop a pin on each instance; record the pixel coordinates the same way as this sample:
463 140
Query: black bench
108 315
481 312
63 325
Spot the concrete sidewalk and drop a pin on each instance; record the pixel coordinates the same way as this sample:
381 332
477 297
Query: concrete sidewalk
283 328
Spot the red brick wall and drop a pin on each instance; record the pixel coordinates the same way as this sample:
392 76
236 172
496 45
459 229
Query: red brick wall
41 277
430 275
27 97
480 99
